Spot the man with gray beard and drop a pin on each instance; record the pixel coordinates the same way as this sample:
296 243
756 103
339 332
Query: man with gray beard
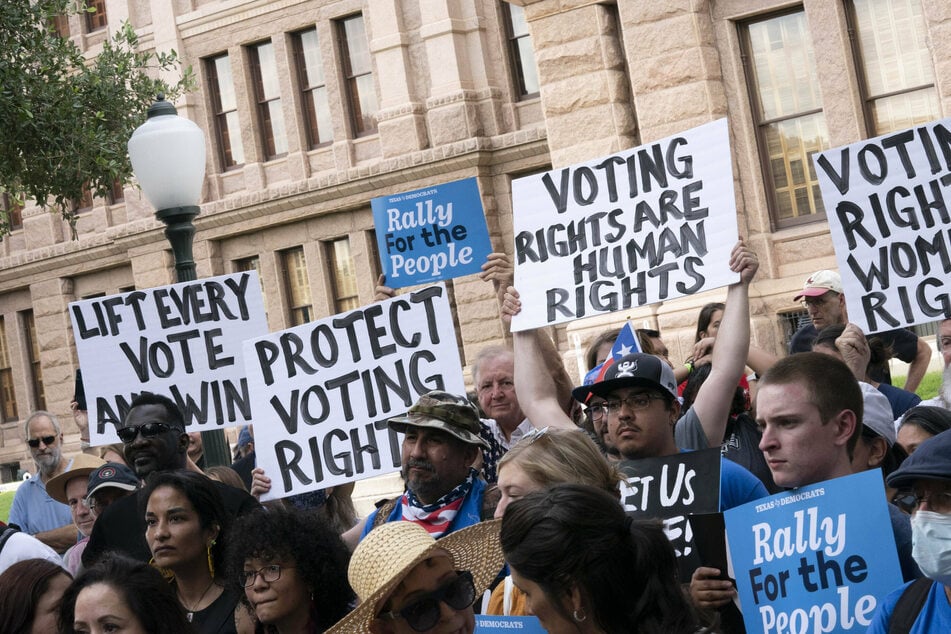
33 510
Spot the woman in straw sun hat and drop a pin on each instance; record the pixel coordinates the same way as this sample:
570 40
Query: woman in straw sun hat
407 581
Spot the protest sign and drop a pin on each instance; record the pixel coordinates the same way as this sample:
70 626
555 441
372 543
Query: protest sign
634 228
430 234
487 624
670 488
887 203
183 341
816 559
322 392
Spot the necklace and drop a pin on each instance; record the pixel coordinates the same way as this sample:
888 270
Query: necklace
190 611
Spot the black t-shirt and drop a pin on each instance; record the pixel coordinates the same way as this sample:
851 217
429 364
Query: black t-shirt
741 445
121 527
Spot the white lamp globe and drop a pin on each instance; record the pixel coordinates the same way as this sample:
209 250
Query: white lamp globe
168 157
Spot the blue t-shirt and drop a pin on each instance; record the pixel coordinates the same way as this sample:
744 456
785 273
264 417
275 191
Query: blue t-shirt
738 486
935 615
900 400
34 511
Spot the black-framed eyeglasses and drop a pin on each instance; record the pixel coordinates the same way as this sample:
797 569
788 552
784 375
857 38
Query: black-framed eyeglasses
270 574
46 440
148 430
909 501
634 402
423 613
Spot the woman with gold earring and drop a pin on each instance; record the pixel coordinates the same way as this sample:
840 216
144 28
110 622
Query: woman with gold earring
186 527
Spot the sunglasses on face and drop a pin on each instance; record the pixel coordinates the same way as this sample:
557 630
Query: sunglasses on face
148 430
423 613
46 440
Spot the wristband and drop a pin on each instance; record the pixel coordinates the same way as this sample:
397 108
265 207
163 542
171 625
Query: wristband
689 367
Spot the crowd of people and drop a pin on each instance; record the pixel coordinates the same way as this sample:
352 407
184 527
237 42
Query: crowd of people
512 502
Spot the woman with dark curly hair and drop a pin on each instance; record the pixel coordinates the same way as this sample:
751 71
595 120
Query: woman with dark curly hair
30 592
186 527
586 566
293 567
119 594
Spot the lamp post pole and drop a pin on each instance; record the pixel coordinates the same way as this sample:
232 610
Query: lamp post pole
168 158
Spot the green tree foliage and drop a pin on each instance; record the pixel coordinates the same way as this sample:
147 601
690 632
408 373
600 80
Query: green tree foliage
65 119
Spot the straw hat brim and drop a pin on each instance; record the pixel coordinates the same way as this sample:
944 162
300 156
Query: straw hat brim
475 548
82 465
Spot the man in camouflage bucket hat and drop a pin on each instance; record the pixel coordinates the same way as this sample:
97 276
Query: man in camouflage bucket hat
441 441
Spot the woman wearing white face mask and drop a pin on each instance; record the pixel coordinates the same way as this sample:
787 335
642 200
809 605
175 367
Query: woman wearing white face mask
924 484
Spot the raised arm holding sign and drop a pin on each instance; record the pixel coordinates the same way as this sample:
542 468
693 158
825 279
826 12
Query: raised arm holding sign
887 203
634 228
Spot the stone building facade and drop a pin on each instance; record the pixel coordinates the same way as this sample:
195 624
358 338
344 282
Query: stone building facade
313 107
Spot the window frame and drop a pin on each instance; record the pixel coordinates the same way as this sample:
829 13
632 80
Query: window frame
6 379
861 70
761 123
225 148
96 20
351 80
341 302
263 103
306 311
32 348
308 90
516 63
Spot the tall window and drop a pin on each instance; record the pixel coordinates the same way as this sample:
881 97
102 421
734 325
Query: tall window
33 353
297 283
116 192
787 109
85 203
13 210
60 24
310 72
8 399
521 53
343 275
358 73
891 49
250 264
267 93
225 107
95 15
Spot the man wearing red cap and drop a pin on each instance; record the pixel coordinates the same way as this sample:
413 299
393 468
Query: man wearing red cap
823 299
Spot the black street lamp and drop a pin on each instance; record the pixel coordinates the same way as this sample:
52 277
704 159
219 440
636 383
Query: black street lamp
168 158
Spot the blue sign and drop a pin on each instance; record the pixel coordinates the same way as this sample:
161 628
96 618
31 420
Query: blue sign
816 559
431 234
486 624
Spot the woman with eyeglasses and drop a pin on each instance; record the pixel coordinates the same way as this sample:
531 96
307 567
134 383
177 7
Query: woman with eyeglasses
186 530
293 569
409 582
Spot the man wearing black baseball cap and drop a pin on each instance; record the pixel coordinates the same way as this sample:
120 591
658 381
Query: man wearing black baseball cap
924 484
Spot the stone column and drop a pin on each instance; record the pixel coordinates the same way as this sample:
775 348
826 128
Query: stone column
675 67
401 120
585 91
451 107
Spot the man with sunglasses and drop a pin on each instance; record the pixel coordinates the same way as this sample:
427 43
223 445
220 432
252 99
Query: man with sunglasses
33 510
154 440
824 300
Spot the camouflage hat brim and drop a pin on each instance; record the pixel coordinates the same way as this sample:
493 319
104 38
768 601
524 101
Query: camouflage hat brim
421 418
